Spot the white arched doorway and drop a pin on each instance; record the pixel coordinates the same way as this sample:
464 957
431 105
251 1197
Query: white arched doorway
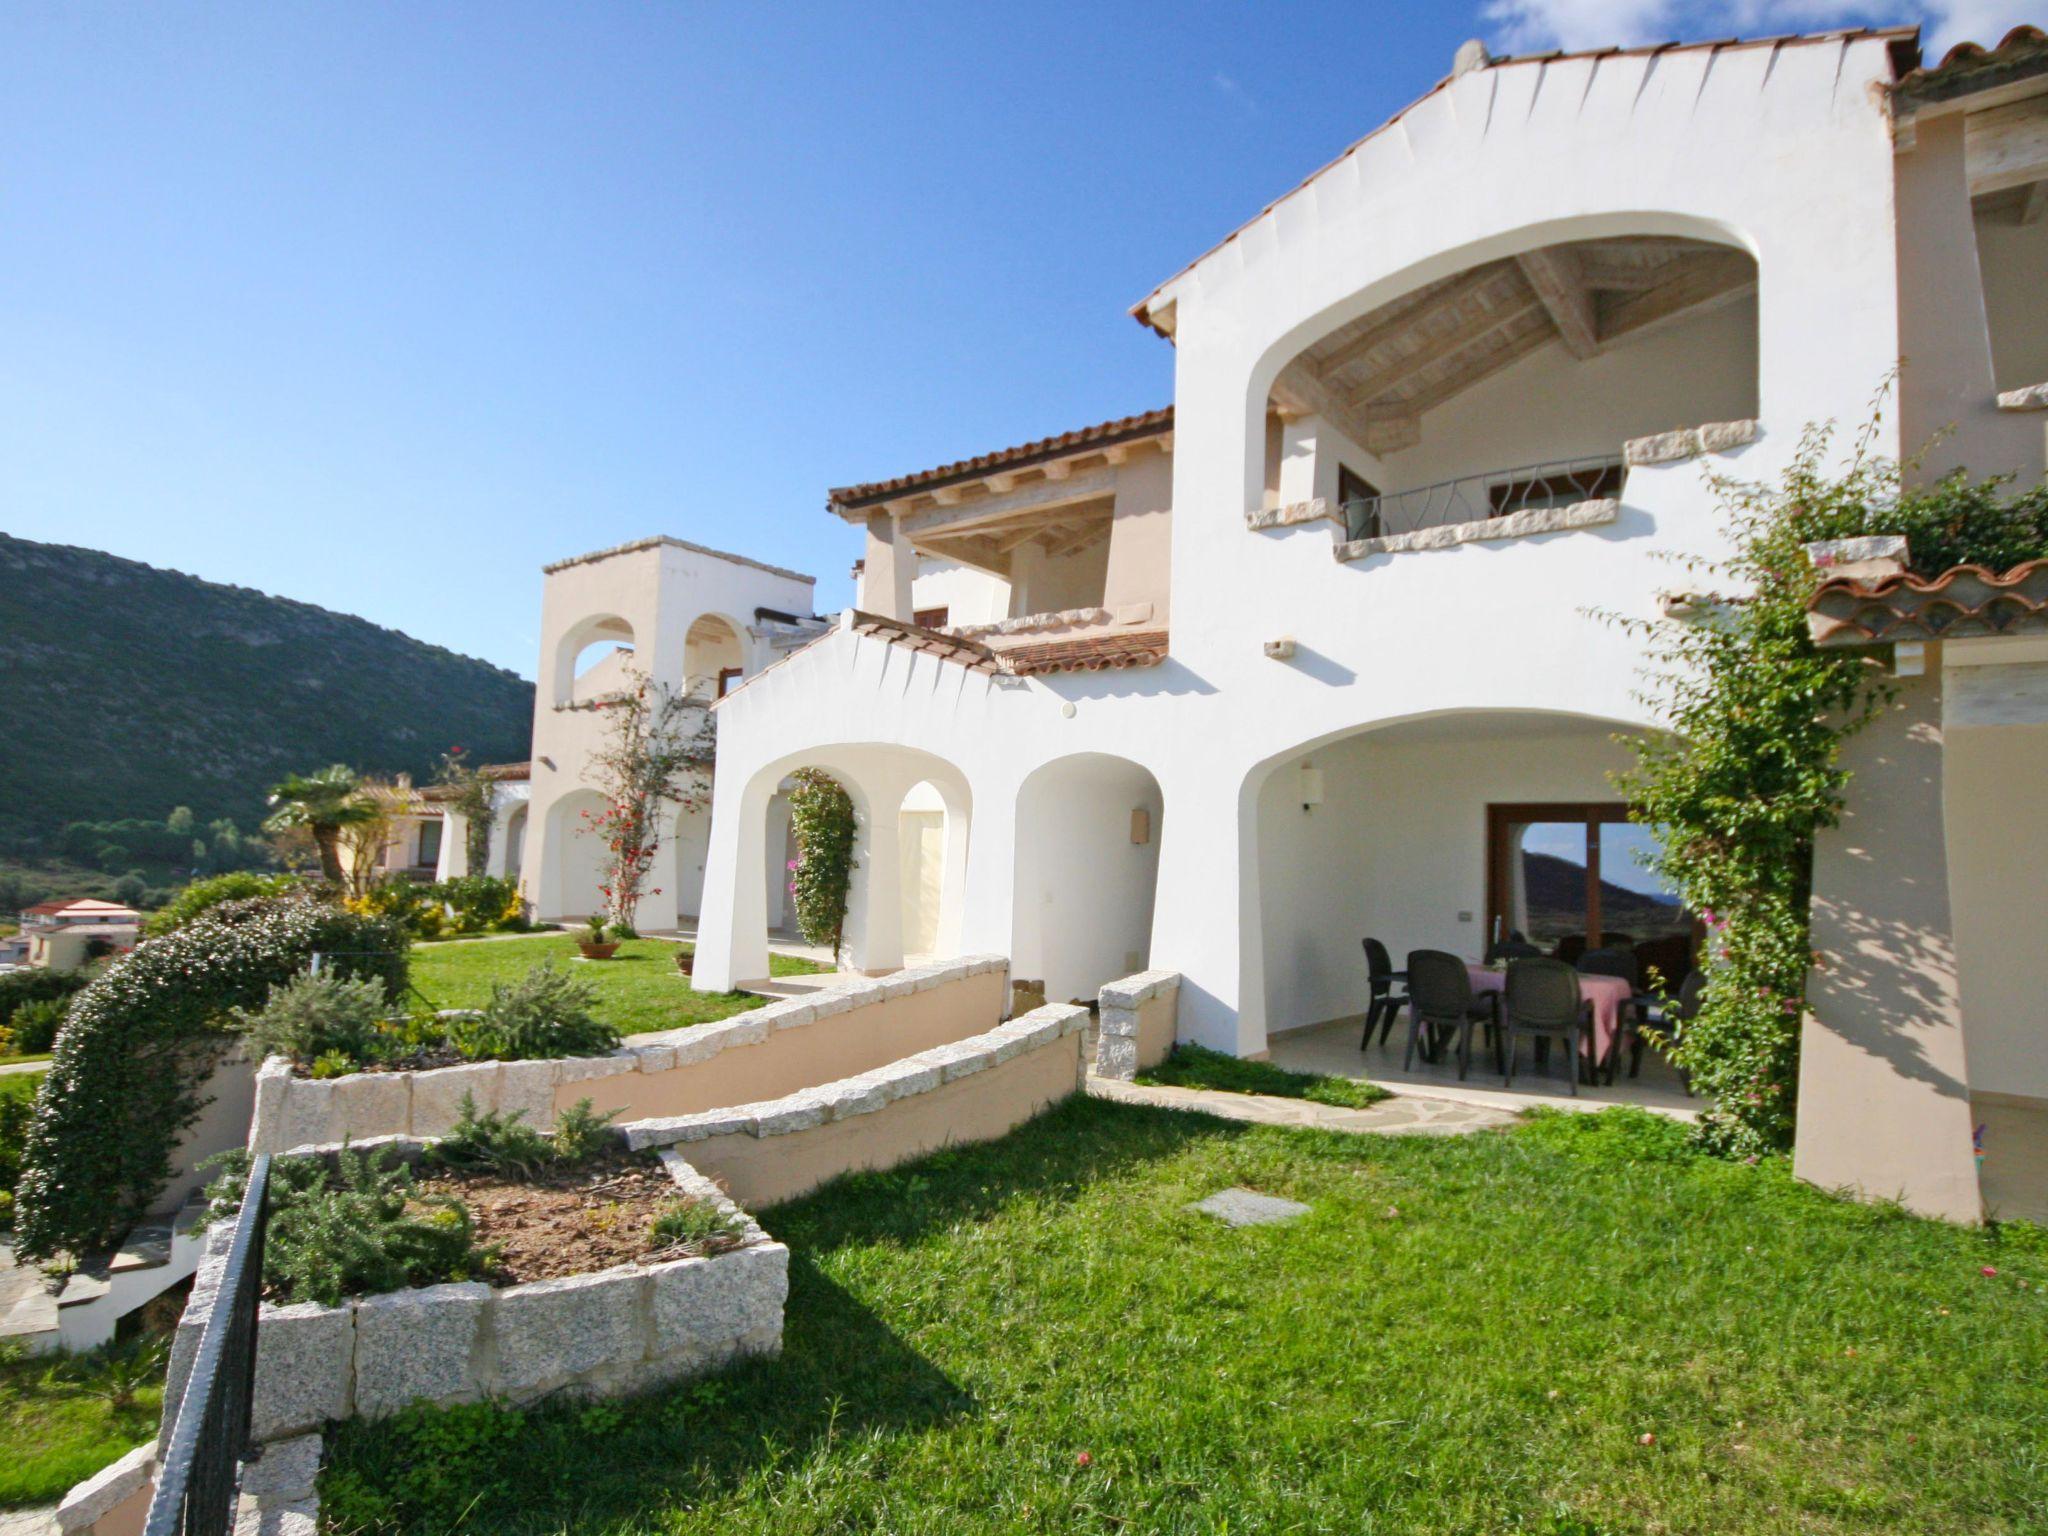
921 842
1087 868
579 862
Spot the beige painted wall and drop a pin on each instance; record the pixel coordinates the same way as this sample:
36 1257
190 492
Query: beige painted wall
843 1045
759 1171
1141 537
1945 388
1995 795
1883 1088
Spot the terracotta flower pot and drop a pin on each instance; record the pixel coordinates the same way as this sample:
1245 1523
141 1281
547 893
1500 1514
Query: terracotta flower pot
597 951
684 962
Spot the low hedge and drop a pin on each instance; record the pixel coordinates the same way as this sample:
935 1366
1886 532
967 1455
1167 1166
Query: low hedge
140 1044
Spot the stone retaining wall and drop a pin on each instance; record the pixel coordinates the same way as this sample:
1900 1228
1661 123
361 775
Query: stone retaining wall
616 1330
1136 1023
766 1053
969 1090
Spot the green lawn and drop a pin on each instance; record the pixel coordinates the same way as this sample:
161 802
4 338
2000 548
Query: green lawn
1195 1066
639 988
1465 1335
54 1430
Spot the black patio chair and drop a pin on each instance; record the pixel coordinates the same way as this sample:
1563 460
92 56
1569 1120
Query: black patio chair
1543 1002
1384 1002
1441 1000
1672 1019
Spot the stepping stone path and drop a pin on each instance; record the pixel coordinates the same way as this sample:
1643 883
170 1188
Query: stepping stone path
1248 1208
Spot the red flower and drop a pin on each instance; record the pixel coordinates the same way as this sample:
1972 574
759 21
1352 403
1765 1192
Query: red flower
1084 1460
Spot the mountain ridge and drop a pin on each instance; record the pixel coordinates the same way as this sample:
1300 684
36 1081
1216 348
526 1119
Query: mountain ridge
129 689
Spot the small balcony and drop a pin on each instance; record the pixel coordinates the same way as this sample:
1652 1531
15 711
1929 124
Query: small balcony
1482 497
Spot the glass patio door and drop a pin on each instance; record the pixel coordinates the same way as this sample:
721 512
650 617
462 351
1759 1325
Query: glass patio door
1572 877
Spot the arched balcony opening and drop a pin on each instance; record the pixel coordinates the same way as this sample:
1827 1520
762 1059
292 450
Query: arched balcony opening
1512 385
714 657
593 659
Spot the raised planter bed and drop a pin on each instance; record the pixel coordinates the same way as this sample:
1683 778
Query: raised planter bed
619 1328
781 1048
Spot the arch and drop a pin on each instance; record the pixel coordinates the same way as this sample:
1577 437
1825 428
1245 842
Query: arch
1539 345
1381 829
514 835
689 849
590 658
746 873
577 871
1086 872
714 650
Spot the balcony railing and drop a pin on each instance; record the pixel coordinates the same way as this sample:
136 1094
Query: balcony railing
195 1484
1476 498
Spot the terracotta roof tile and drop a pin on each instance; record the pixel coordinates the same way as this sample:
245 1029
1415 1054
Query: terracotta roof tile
1087 653
497 773
1961 603
1122 430
1970 67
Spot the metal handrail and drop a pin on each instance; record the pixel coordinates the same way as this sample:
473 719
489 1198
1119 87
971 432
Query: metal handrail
1488 494
196 1477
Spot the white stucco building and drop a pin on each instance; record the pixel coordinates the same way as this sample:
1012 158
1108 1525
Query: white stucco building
1313 653
689 618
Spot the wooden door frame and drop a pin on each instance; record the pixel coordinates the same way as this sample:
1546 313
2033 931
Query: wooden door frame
1591 814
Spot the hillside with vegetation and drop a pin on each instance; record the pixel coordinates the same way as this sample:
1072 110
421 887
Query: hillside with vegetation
131 691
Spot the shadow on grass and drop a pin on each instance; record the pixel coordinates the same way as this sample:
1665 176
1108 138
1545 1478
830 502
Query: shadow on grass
843 1371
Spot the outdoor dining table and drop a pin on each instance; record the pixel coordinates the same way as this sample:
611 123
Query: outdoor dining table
1607 995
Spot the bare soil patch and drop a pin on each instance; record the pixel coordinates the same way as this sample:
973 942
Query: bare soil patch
573 1222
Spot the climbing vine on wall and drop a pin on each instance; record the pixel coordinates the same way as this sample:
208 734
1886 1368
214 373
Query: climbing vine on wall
137 1047
1751 772
821 875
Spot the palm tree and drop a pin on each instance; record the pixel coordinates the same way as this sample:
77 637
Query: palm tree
323 803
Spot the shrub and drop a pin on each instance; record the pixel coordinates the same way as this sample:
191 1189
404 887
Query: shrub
695 1225
19 988
310 1018
36 1024
204 895
139 1044
15 1108
580 1135
479 901
494 1143
357 1229
545 1013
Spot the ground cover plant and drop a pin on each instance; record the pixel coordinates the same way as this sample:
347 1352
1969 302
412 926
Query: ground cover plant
64 1418
638 990
17 1101
1578 1327
1196 1066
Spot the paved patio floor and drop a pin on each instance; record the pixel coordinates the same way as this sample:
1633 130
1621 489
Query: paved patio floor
1332 1049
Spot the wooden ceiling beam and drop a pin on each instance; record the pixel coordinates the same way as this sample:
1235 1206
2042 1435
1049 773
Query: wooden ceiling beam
1300 391
1554 275
1700 279
1398 317
1470 333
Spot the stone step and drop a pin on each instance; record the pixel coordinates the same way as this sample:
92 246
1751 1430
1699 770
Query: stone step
148 1246
82 1288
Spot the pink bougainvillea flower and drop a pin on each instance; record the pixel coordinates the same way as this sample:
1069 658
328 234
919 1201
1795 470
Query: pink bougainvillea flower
1084 1460
1989 1272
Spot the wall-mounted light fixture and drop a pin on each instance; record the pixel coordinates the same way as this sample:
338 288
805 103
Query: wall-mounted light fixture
1311 787
1281 649
1141 826
1909 658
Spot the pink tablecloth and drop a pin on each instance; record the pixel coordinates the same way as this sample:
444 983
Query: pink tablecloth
1607 994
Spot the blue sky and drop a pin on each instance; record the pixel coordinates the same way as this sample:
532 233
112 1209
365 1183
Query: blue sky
383 306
